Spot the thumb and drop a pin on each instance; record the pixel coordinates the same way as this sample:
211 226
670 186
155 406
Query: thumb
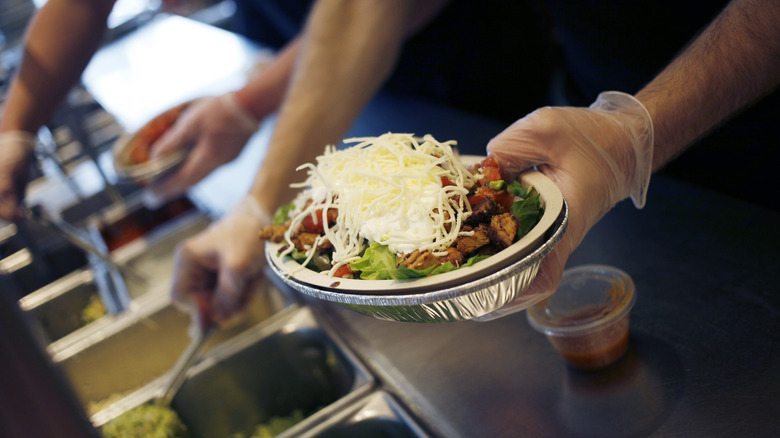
175 138
517 147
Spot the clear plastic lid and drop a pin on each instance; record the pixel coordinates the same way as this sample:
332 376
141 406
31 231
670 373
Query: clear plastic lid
589 297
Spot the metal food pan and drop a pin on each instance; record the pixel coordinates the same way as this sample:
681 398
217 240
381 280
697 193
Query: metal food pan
32 257
107 362
377 415
153 254
57 307
123 224
268 373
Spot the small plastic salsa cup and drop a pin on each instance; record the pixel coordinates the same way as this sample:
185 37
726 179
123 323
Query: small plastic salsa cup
586 319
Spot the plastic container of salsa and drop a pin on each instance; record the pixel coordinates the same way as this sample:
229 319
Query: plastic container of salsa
587 318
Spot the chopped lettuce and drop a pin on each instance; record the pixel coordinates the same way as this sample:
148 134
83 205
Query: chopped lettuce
472 260
379 263
146 421
518 189
528 211
282 214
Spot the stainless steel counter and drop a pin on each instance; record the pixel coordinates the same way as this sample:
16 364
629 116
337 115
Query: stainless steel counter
704 359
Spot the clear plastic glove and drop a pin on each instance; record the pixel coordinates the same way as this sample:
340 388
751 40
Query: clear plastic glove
597 156
216 129
217 269
16 154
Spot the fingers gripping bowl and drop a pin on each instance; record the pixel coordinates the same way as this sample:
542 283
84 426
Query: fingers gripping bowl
468 292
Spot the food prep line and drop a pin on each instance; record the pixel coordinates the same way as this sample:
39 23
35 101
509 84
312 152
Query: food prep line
703 355
274 360
704 352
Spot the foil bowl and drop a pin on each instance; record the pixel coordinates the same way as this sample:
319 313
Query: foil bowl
131 159
465 294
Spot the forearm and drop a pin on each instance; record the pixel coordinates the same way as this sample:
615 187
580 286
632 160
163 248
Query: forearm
60 40
347 51
735 61
263 92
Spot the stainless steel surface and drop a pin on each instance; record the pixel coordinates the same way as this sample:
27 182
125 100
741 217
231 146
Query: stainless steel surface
32 257
703 358
58 306
376 415
290 365
181 59
154 253
476 298
142 344
73 236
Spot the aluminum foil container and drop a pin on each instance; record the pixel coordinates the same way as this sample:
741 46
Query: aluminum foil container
132 162
476 297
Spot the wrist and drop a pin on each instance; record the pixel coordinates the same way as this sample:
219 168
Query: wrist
636 124
25 138
251 206
245 119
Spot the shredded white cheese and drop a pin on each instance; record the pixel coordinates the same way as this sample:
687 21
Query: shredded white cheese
387 189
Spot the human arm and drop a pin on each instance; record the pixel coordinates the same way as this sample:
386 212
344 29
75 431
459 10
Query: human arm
59 42
735 61
217 128
347 50
599 156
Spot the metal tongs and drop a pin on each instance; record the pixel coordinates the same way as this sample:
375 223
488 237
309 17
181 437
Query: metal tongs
188 358
39 217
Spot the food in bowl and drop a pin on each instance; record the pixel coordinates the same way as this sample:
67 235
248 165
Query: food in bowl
400 207
133 152
140 148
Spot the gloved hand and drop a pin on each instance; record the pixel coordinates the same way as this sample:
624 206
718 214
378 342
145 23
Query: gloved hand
597 156
16 153
217 269
216 129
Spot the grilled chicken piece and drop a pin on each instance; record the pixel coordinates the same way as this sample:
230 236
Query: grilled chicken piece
486 208
469 244
303 241
420 260
453 255
503 228
274 233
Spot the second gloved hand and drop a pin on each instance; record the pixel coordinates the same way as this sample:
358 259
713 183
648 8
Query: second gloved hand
217 269
16 154
597 156
216 129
